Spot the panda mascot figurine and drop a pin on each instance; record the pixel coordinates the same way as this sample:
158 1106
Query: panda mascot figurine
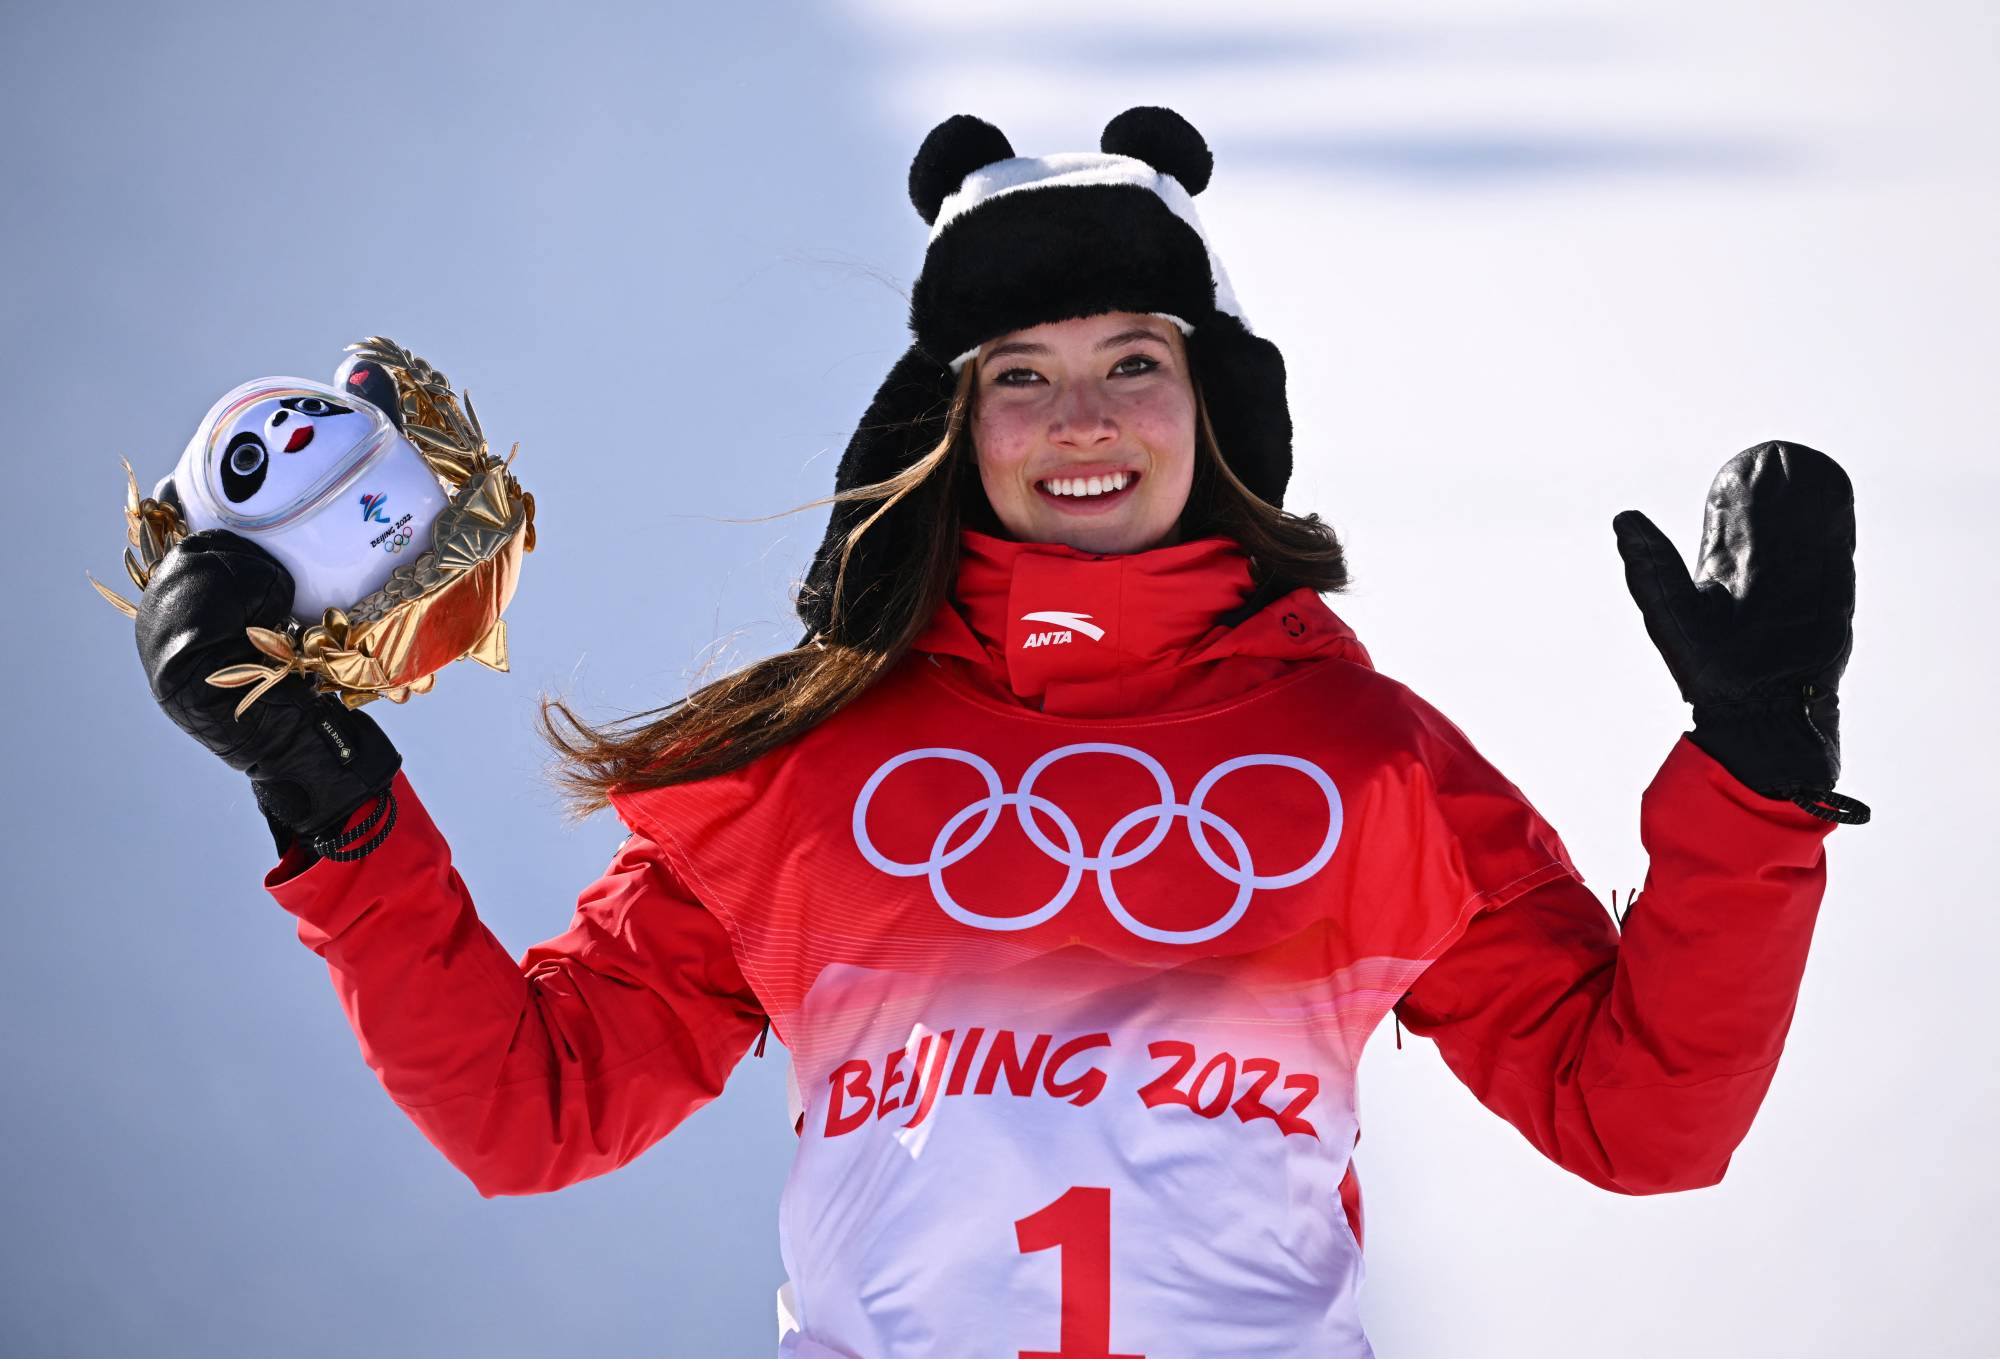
320 477
402 532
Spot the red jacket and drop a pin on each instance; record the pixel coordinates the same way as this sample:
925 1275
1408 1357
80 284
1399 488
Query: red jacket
1637 1061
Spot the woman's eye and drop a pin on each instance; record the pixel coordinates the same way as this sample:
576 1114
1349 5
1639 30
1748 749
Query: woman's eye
1132 365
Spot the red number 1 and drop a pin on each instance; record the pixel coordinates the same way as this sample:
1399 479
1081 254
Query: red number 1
1079 1225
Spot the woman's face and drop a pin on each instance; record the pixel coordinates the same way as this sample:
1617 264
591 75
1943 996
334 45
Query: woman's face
1085 431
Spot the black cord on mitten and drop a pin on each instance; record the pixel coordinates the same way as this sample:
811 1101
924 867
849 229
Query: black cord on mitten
1759 638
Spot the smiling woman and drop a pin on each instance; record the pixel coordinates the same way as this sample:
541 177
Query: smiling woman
1037 425
1085 432
1078 848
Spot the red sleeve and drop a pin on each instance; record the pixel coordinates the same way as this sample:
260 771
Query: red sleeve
1638 1061
532 1075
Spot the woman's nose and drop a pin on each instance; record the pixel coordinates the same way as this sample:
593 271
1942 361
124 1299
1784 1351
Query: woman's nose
1082 418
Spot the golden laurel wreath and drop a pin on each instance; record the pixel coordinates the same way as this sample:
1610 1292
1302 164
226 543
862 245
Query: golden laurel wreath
442 606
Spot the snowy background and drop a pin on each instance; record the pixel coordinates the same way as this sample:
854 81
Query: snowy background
1531 263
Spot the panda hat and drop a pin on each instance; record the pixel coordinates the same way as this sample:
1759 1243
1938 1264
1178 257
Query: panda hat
1020 241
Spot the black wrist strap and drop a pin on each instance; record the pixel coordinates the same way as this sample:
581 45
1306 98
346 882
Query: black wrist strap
364 837
1828 805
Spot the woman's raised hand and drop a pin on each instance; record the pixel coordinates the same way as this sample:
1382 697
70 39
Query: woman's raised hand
311 760
1759 638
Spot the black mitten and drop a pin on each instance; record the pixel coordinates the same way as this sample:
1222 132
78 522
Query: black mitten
1758 642
311 760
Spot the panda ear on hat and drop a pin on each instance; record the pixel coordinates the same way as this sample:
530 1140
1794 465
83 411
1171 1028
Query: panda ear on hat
954 149
1164 140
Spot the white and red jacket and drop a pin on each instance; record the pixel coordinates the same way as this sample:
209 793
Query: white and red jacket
1075 926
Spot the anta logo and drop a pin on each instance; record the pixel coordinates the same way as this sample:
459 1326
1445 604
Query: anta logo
1065 627
371 508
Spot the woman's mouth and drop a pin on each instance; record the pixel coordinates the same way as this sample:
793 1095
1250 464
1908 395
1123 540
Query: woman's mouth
1085 494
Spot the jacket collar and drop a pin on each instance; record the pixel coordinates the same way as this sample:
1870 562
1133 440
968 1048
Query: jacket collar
1073 632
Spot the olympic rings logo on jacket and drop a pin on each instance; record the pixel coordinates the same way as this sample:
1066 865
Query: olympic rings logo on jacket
1031 807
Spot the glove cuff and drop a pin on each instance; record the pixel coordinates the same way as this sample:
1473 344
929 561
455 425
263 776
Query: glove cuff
1783 748
326 776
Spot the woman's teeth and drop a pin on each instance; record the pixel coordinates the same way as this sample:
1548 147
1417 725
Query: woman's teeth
1086 486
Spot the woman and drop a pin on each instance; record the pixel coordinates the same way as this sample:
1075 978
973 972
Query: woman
1078 848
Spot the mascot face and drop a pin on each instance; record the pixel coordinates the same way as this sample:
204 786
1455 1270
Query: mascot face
323 480
273 448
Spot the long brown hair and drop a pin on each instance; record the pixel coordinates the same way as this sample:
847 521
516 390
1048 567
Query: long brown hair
729 722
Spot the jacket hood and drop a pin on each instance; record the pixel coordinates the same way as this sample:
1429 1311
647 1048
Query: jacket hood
1078 633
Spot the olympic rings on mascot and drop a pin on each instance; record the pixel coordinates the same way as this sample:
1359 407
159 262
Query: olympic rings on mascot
1030 807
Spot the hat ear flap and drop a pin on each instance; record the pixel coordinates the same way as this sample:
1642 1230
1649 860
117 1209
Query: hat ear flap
906 420
363 378
954 149
1242 380
1164 140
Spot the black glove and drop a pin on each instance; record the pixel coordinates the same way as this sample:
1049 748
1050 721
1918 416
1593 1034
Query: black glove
311 760
1759 642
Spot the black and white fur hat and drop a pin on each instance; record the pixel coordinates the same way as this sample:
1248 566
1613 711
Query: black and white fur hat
1020 241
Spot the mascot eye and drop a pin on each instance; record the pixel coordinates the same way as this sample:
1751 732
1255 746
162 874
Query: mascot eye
313 405
243 467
